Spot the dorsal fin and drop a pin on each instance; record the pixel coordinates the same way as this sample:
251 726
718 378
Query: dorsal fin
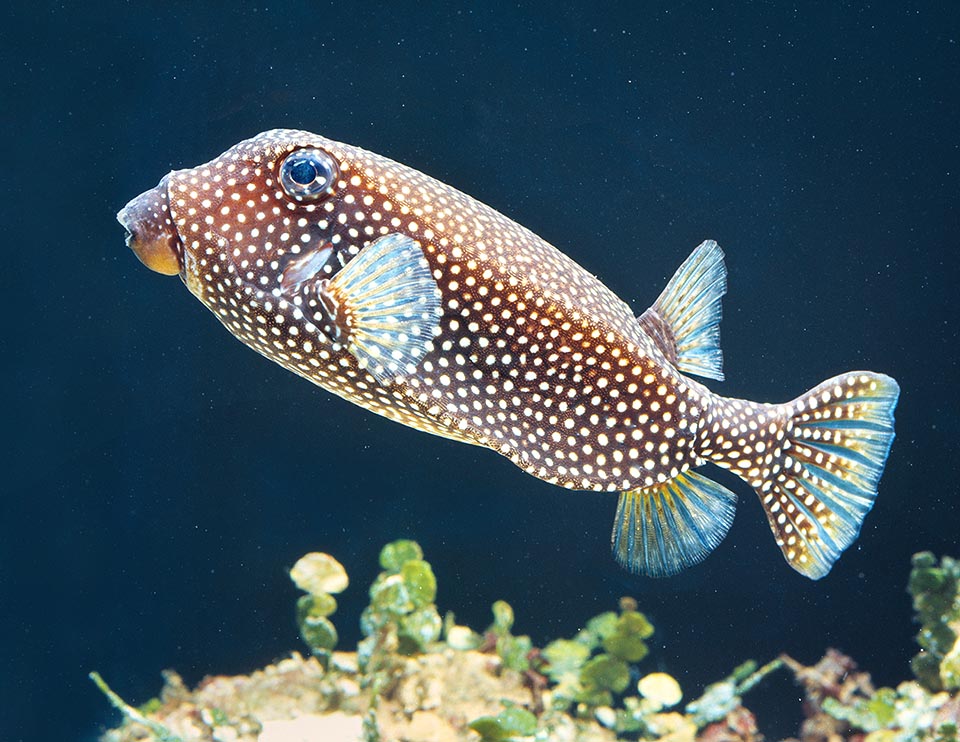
685 321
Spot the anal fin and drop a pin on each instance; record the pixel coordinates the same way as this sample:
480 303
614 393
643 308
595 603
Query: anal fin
685 320
664 529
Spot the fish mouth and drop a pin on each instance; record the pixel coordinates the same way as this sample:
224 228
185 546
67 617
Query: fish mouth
150 230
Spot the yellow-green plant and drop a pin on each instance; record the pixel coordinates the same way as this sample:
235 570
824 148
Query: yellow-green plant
319 575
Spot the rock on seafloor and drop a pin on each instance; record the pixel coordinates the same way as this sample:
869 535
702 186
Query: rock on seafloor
431 698
311 727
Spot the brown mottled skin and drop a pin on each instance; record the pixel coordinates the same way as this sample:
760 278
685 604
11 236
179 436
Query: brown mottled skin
531 355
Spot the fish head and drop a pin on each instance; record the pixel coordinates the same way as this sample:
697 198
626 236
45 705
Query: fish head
253 224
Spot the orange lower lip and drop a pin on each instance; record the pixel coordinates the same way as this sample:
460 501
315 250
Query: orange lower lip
150 231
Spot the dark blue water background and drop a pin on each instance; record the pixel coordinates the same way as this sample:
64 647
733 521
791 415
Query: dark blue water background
160 478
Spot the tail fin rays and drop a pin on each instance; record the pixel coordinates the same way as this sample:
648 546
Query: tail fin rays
840 435
831 445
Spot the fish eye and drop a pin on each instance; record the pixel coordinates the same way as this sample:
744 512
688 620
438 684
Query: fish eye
308 174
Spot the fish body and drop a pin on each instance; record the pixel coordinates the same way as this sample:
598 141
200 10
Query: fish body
418 302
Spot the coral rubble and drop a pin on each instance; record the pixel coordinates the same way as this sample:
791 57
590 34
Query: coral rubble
418 678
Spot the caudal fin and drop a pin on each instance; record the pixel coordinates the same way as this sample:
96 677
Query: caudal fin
832 443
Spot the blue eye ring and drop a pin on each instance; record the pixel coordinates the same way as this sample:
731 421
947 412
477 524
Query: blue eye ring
308 174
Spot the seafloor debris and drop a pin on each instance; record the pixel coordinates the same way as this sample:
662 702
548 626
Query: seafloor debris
417 678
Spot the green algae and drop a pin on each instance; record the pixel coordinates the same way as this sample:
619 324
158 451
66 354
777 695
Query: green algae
585 685
726 696
318 575
397 553
316 630
402 616
514 651
509 724
626 641
914 710
935 589
907 713
400 620
594 668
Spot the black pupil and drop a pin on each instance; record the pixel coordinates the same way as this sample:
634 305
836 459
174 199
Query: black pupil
303 172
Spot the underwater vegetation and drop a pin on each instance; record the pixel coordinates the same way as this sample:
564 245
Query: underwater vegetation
418 677
934 588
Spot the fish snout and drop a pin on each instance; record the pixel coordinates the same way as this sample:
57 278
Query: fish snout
150 231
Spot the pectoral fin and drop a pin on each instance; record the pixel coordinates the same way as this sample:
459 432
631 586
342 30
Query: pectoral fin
385 305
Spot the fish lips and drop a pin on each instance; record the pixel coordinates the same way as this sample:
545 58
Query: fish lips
151 233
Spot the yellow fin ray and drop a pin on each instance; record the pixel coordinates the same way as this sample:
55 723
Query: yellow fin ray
663 529
838 438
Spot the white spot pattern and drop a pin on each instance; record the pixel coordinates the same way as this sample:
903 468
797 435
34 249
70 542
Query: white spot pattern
535 357
497 338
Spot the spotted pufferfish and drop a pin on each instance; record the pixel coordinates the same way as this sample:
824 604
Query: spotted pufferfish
415 301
